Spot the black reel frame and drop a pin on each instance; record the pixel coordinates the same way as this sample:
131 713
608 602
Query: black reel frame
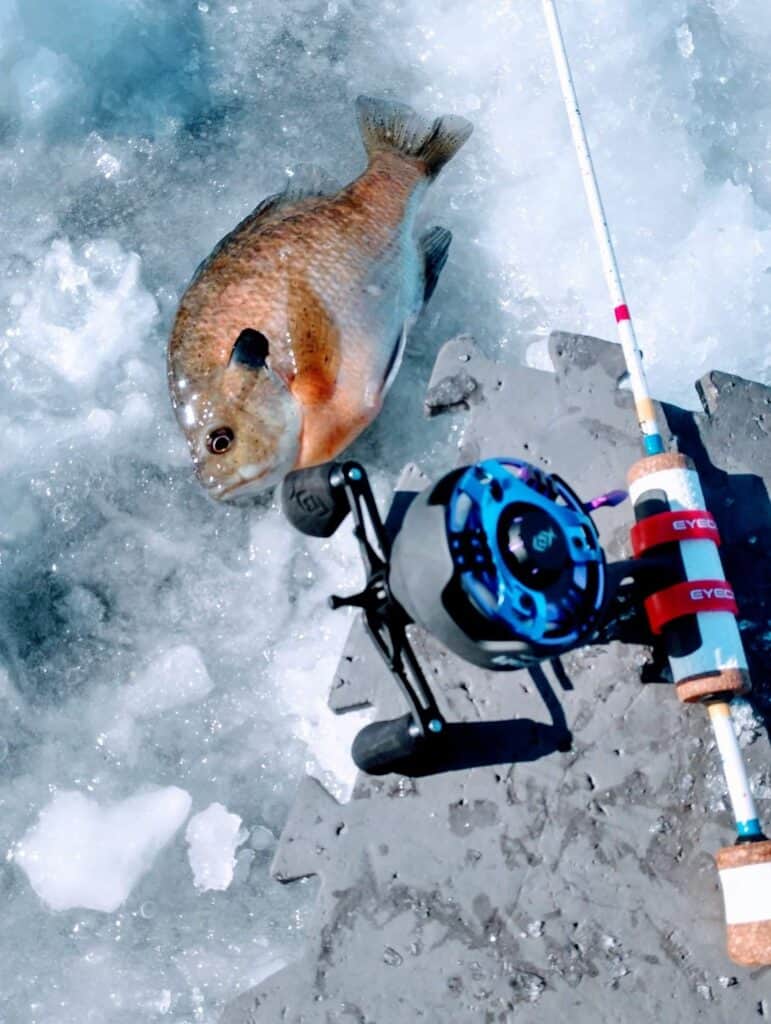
316 501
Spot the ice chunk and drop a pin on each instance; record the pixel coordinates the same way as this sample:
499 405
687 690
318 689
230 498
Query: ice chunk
176 677
83 854
212 837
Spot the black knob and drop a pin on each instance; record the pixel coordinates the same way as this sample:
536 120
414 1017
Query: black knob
311 503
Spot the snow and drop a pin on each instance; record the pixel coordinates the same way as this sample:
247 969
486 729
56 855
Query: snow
212 837
149 638
81 854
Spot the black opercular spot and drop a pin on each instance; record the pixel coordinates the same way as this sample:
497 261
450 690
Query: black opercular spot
250 349
220 440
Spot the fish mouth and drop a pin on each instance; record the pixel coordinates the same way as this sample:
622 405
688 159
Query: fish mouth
246 486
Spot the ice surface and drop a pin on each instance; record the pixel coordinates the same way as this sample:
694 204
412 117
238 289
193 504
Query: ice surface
80 854
149 638
82 313
176 677
212 837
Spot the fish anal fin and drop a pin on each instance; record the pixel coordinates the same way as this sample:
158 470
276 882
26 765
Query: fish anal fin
434 245
315 342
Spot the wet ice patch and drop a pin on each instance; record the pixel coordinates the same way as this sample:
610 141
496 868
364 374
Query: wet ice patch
328 736
212 837
83 854
729 243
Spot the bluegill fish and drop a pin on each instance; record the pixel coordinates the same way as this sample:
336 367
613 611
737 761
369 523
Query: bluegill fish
292 330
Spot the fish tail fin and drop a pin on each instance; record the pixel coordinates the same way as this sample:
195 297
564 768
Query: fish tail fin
388 125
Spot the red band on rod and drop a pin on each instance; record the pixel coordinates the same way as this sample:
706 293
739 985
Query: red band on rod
669 527
622 313
689 598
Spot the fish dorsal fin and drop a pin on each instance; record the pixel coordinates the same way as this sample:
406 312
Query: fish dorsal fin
261 211
305 182
315 340
434 245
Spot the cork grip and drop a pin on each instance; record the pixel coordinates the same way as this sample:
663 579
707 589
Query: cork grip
730 682
745 876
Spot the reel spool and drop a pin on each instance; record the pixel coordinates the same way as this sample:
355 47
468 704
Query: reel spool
502 563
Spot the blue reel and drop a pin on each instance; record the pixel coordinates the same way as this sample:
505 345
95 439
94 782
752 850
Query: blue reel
502 562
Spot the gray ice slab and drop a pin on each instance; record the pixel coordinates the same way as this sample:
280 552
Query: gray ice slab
577 885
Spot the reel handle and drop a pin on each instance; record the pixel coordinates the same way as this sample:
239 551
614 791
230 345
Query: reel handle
397 744
312 503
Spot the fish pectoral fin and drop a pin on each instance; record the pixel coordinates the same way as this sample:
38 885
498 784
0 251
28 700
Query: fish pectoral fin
315 340
434 245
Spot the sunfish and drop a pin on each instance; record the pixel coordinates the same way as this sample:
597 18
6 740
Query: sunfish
293 329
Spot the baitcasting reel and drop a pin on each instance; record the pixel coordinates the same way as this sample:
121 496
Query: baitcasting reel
498 560
502 563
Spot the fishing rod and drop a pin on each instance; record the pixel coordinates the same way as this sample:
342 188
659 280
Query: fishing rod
694 610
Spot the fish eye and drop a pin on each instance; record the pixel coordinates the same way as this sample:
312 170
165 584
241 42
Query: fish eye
220 440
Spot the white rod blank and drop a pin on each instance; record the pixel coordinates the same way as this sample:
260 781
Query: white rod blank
739 792
626 332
